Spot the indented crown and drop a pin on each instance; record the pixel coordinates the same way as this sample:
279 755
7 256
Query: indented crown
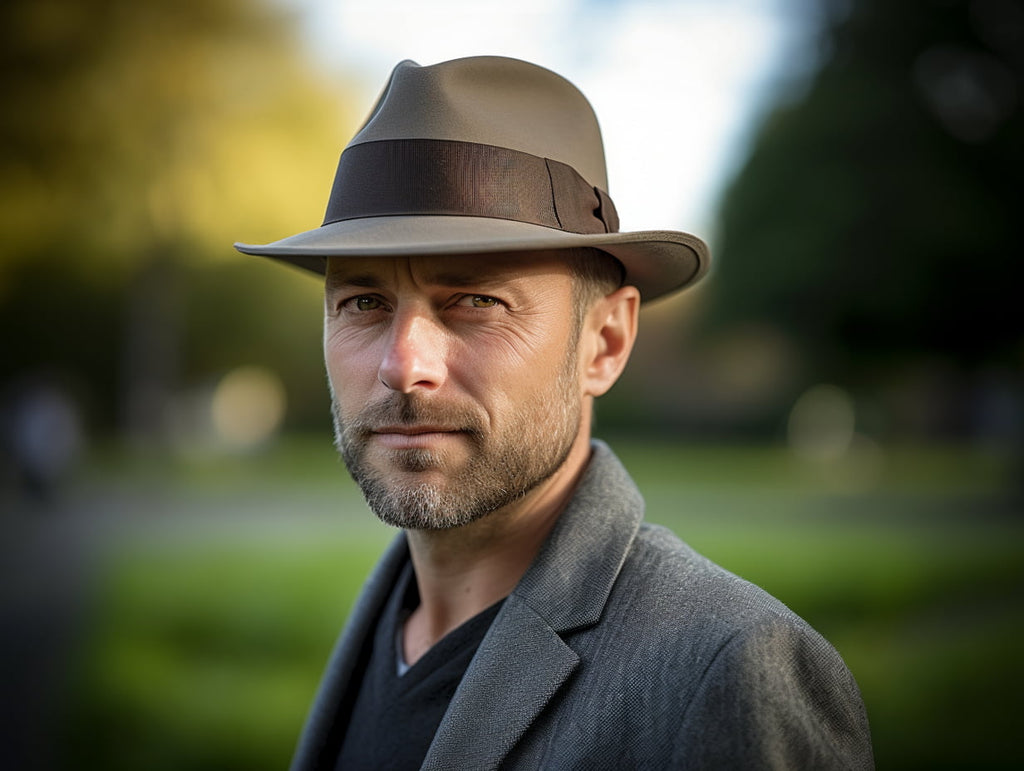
491 100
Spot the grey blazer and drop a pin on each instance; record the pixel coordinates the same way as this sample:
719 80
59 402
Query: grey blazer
622 648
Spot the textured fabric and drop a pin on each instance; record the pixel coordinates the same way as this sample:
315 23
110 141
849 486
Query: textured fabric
622 648
446 178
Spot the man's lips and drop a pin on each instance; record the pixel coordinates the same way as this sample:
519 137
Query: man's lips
404 437
414 430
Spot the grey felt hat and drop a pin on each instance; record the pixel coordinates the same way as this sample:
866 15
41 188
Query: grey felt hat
483 155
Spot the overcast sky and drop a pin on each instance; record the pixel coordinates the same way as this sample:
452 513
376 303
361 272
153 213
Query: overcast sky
675 84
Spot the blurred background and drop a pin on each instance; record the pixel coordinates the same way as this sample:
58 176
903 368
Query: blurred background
836 414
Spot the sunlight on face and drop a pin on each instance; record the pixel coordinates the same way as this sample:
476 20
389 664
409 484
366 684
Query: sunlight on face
454 381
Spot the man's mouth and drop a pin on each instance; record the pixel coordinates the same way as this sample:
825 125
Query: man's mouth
415 430
413 437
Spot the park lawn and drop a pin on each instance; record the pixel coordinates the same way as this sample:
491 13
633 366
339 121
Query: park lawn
208 657
205 653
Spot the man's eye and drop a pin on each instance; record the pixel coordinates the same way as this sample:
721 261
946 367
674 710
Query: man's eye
478 301
366 303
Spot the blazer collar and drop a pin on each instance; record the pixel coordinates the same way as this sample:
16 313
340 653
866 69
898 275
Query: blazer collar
523 660
572 575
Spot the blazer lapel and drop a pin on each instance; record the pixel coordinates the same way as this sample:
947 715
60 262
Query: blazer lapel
317 742
523 660
491 710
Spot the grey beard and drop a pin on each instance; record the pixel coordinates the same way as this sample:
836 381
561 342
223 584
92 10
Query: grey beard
502 470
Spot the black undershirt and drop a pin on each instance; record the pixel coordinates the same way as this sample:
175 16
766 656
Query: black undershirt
396 716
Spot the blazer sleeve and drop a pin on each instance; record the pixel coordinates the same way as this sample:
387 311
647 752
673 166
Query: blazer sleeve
775 696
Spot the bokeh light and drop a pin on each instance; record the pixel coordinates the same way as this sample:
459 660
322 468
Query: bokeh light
822 423
248 407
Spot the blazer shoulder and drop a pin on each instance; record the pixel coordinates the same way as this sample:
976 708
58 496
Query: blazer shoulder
670 573
725 674
707 619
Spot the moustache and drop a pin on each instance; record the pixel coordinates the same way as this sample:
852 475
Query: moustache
399 409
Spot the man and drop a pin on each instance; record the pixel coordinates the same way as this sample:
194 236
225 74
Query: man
478 298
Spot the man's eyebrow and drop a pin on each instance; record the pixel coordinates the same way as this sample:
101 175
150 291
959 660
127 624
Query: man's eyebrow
459 278
469 278
364 280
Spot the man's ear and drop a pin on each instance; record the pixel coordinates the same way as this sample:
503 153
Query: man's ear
609 332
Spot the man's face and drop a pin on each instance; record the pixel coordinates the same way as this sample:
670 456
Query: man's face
454 379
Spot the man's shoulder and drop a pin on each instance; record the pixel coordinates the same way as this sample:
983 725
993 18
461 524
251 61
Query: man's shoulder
666 563
676 591
662 585
691 661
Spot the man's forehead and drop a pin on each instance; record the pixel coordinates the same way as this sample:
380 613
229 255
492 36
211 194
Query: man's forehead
454 270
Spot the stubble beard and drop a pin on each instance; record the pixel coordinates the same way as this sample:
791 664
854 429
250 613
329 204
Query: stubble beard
502 467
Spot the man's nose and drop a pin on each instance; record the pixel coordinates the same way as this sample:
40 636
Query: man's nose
414 356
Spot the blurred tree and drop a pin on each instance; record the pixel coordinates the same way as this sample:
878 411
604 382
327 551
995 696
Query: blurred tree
139 140
874 223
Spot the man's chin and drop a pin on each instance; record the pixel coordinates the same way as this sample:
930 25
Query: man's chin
425 466
410 502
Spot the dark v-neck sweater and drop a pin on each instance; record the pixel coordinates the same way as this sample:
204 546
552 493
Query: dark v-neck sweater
395 716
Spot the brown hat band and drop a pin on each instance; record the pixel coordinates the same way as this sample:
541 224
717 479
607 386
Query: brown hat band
465 179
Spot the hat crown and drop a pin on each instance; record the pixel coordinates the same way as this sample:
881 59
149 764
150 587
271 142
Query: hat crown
491 100
476 156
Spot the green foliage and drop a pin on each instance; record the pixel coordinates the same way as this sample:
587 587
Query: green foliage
139 141
208 658
875 217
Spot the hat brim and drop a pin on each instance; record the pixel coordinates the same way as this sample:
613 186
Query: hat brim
657 262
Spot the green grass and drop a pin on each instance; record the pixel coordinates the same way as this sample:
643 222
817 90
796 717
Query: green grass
205 651
209 655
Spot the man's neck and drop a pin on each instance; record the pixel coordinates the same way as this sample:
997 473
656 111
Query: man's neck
462 571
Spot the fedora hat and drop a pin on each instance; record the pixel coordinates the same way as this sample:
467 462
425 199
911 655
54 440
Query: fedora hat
482 155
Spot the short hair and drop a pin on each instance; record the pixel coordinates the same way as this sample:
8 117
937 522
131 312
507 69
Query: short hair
595 274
